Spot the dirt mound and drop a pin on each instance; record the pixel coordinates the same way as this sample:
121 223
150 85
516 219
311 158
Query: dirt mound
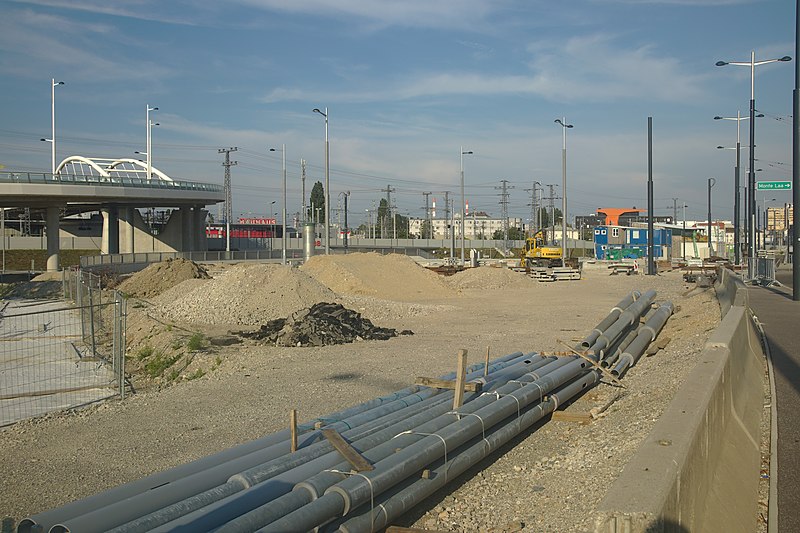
487 278
159 277
244 295
389 277
322 324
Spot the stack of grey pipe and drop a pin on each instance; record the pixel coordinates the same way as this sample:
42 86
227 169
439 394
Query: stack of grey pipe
414 439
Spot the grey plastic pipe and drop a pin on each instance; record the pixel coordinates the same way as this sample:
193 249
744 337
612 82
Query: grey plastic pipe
354 491
610 319
298 463
314 486
389 509
647 334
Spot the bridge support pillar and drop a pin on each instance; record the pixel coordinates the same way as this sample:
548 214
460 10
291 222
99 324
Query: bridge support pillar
187 223
53 231
110 242
127 230
201 244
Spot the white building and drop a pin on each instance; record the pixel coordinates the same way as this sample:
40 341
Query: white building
476 226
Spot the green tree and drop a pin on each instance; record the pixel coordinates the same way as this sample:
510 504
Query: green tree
514 234
317 202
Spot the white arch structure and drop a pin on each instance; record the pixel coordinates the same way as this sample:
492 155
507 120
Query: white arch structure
77 165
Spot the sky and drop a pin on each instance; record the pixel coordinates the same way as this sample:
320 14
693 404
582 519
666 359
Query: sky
407 84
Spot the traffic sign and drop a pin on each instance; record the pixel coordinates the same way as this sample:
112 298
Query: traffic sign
773 185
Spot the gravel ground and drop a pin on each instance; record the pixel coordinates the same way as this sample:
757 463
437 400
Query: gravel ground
547 480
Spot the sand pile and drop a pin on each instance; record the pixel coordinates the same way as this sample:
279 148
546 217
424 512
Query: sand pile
246 294
388 277
488 278
159 277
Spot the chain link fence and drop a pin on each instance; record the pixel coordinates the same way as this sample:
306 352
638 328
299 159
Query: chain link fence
61 354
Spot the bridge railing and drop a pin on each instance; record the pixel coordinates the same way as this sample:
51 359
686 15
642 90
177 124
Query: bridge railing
40 178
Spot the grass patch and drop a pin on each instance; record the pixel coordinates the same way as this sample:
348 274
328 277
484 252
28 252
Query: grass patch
144 353
196 342
197 374
159 364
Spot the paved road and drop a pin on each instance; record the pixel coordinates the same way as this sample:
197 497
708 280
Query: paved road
780 316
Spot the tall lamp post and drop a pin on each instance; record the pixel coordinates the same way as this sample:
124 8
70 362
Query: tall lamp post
283 222
564 126
751 207
684 231
737 231
149 148
327 184
463 200
711 183
52 139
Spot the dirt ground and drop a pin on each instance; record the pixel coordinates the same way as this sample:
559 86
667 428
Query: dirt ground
547 480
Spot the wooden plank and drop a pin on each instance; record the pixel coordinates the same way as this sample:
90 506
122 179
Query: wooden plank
461 374
486 364
351 455
399 529
565 416
469 386
293 429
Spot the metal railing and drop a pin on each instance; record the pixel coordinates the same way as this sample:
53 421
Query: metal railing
39 178
60 354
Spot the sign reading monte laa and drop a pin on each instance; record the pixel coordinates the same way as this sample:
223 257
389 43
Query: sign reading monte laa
773 185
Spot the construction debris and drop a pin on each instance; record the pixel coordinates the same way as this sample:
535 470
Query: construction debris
320 325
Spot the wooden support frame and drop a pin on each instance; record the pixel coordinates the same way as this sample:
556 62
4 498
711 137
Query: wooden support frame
351 455
461 373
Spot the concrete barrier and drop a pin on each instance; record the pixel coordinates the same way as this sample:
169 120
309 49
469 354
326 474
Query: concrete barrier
698 470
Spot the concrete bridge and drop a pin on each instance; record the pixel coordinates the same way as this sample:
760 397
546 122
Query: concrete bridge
116 188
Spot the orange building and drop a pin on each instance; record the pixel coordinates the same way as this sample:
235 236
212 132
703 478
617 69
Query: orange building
613 214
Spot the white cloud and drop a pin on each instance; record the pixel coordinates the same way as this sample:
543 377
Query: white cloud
414 13
590 68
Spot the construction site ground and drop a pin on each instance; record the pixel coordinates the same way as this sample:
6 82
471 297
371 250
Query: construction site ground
221 392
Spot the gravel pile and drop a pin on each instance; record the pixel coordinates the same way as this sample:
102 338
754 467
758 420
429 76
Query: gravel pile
159 277
246 294
389 277
322 324
488 278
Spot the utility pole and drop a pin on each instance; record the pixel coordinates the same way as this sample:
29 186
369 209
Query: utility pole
303 187
534 208
447 224
674 209
427 216
385 222
552 198
504 209
227 186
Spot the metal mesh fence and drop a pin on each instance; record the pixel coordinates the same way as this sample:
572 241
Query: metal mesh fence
57 355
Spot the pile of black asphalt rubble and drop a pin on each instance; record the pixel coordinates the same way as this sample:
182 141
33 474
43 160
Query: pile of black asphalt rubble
320 325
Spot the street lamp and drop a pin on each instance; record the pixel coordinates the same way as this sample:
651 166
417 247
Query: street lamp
564 126
736 206
684 231
751 207
327 183
764 221
149 145
283 233
463 200
52 139
711 183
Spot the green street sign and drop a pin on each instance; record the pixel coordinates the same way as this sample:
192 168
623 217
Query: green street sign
773 185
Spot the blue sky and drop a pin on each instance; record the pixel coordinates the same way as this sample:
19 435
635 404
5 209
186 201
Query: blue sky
407 83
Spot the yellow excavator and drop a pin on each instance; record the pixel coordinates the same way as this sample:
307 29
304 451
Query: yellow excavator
536 252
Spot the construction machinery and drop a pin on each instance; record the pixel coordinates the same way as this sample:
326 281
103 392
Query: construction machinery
537 253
